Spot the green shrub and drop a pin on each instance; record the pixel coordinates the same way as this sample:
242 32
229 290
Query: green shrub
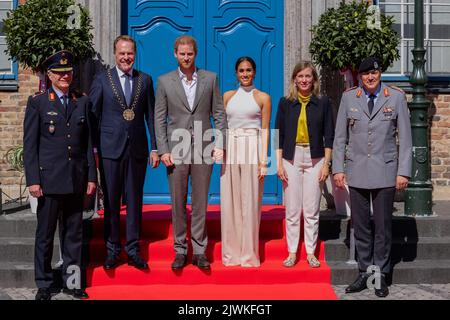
39 28
14 157
343 38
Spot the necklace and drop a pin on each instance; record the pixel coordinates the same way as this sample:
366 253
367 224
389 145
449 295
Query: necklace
128 113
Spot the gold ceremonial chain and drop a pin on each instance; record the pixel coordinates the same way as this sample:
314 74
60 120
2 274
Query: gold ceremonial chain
128 113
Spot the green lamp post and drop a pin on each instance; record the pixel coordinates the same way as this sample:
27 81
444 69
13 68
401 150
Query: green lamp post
418 201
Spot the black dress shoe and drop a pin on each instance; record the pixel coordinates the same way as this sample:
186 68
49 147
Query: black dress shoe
76 293
179 262
359 285
137 262
43 294
110 262
383 291
200 261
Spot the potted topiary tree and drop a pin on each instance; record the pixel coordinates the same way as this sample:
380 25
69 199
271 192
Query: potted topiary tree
346 35
39 28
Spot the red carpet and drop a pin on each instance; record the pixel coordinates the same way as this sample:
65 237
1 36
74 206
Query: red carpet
271 281
295 291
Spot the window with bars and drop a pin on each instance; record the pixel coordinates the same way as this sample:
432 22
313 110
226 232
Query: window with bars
436 33
8 68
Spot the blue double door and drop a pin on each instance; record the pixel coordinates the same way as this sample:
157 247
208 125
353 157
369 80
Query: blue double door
225 30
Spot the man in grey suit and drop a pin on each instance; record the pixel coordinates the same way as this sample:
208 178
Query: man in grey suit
185 101
370 120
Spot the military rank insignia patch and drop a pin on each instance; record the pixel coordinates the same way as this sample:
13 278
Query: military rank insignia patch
52 96
386 92
51 127
398 89
359 93
388 110
36 94
351 123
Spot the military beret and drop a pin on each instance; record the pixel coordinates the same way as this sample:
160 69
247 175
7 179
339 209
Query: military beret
369 64
59 61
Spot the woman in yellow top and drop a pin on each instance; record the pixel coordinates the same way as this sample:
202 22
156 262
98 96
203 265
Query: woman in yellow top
306 133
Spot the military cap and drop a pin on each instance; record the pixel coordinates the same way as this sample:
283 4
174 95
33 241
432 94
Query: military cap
59 61
369 64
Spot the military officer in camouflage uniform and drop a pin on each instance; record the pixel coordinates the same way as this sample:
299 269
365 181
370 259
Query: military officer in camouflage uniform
59 169
370 120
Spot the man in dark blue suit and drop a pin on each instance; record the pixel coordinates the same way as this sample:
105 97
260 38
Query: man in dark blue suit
59 169
123 101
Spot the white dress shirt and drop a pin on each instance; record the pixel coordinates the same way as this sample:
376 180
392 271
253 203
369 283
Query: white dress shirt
60 95
189 87
122 79
122 83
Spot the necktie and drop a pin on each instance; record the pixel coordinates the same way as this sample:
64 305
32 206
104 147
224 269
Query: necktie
127 89
371 103
64 99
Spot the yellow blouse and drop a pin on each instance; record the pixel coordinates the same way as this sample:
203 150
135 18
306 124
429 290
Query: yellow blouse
302 127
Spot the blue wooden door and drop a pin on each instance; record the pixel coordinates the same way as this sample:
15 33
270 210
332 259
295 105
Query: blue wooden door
225 30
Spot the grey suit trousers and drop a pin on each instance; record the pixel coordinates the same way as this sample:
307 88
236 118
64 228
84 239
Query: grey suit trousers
200 175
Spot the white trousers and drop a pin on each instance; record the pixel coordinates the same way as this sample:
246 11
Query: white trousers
302 194
240 198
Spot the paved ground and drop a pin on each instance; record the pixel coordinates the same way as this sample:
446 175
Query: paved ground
397 292
27 294
401 292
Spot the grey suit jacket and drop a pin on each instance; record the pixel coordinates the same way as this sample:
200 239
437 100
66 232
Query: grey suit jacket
365 146
172 113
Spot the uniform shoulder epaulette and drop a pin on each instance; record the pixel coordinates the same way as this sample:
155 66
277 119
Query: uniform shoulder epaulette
398 89
352 88
39 93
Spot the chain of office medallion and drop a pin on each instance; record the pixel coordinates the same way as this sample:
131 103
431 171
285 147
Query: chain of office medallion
116 92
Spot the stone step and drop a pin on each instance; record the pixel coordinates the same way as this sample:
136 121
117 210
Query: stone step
332 226
405 249
335 226
411 272
17 226
20 275
17 274
21 225
22 249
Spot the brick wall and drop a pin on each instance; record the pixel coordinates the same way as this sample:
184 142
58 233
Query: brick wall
12 110
440 146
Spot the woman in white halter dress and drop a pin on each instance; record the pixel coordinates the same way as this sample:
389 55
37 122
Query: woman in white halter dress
242 178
